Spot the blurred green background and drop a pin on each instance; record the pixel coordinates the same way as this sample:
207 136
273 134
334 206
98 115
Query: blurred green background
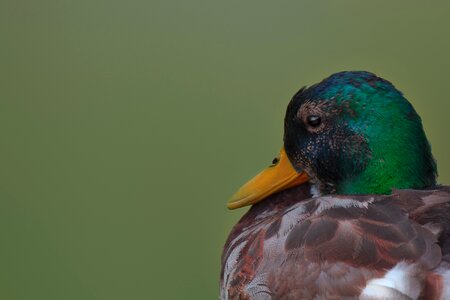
126 125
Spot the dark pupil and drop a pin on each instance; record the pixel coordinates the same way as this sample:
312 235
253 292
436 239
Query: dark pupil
314 121
275 161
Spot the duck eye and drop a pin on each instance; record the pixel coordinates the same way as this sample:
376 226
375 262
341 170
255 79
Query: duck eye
275 161
313 120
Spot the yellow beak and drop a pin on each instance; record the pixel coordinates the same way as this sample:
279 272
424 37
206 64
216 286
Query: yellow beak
279 176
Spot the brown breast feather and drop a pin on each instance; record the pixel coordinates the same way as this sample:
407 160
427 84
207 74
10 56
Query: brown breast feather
292 247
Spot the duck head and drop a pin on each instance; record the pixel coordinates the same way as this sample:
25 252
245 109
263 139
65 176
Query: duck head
352 133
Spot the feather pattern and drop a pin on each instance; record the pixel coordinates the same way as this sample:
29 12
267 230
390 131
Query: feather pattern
291 246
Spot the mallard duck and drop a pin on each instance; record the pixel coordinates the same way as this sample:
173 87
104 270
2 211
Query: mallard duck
350 208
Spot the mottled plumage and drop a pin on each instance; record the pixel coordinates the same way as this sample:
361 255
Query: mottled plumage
330 247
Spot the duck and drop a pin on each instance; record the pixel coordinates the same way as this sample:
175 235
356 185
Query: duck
349 209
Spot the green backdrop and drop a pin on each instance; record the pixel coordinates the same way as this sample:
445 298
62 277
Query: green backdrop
126 125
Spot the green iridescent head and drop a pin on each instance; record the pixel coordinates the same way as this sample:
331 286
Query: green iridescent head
355 133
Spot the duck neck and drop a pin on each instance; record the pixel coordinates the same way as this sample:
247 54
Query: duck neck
394 164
